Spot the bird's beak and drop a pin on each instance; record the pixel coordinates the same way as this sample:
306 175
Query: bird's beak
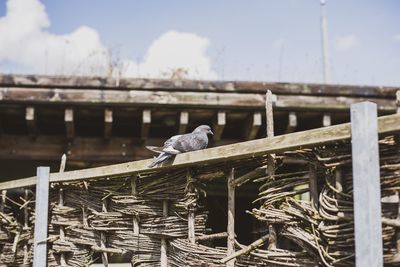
211 132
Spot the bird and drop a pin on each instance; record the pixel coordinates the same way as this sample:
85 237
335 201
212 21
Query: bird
196 140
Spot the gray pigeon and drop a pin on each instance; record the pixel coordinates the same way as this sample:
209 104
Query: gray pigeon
177 144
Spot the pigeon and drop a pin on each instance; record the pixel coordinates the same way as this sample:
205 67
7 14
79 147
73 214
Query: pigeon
196 140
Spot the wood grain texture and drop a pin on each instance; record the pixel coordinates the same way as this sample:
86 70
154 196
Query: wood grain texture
214 100
187 85
366 185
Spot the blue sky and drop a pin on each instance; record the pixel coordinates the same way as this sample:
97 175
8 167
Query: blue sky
271 40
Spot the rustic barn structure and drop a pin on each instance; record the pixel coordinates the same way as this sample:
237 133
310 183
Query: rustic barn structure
104 120
290 199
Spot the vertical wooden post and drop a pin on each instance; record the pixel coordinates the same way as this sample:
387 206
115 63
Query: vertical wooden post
135 219
338 182
366 185
3 200
41 217
398 191
272 242
103 238
231 218
26 225
313 185
191 218
164 258
63 261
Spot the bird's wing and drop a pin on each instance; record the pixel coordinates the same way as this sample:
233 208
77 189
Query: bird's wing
155 149
191 142
167 147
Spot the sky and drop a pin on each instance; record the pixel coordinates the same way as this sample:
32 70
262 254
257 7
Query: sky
263 40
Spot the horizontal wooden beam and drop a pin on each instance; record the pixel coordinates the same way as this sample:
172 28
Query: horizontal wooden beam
194 85
215 100
386 125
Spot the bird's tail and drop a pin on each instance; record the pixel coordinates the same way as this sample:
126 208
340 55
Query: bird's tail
161 158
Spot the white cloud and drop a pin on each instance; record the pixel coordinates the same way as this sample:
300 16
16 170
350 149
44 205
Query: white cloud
397 37
25 42
174 51
346 42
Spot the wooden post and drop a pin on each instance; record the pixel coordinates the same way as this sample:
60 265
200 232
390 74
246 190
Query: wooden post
398 191
164 258
41 217
219 125
366 185
103 238
191 215
146 122
326 120
252 126
30 118
183 122
26 225
135 219
292 122
3 200
69 123
63 261
272 243
108 121
313 185
231 218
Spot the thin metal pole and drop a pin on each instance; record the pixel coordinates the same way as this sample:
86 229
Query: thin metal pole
324 41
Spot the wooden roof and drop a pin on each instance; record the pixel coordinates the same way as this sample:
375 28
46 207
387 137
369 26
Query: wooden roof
96 119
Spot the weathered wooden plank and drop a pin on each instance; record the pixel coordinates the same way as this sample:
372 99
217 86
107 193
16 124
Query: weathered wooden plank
214 100
30 118
41 217
253 126
184 85
231 218
292 122
387 125
219 125
366 185
183 122
69 123
108 122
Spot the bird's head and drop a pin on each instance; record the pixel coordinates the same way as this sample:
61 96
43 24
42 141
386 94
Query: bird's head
203 129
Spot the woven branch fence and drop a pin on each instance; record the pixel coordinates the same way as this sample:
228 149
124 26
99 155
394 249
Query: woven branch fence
97 217
157 217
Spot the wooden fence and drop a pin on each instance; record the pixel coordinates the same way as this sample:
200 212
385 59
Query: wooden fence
155 216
